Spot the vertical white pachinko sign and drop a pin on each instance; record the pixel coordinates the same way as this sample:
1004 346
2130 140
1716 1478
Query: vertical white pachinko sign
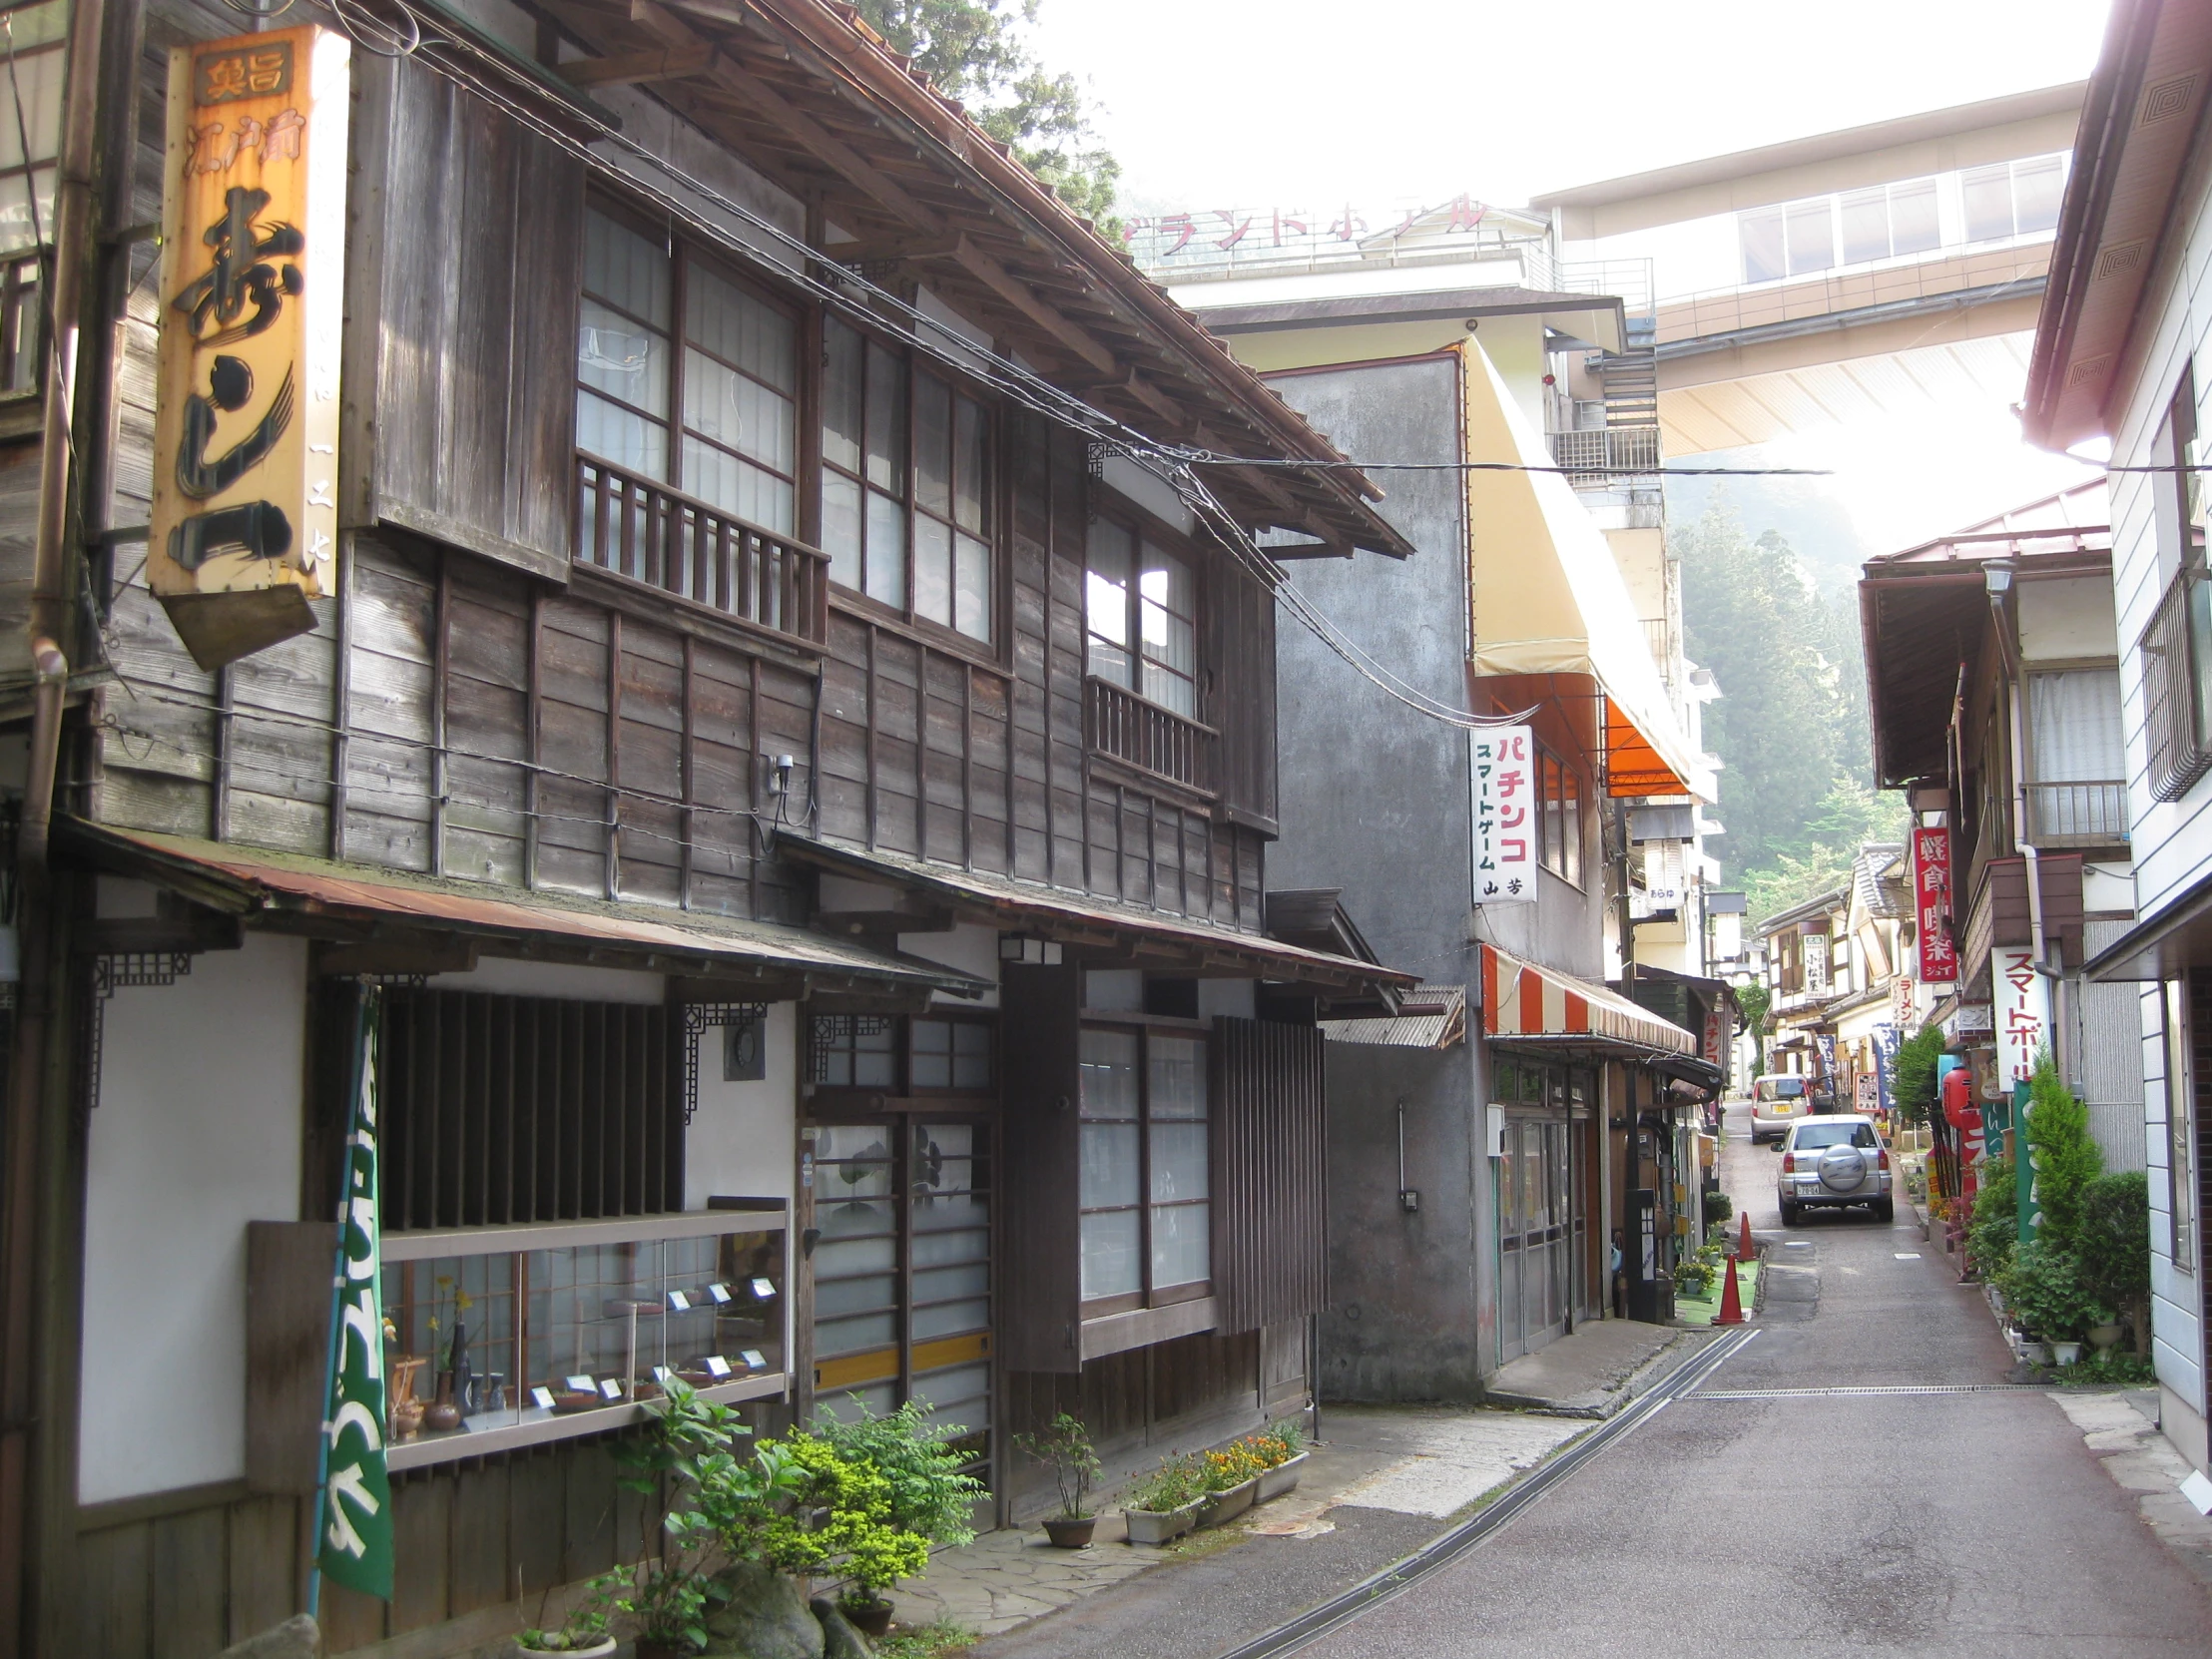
2022 1012
1507 815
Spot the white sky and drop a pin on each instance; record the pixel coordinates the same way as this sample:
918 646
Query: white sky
1299 104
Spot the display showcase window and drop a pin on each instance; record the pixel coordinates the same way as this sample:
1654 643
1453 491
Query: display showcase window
1144 1186
906 486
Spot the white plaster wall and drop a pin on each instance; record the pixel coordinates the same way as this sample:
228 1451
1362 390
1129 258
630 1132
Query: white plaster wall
511 976
197 1133
1228 998
970 948
2066 619
742 1141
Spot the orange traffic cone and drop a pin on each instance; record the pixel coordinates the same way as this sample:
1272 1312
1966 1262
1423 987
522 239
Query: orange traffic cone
1744 1248
1732 1300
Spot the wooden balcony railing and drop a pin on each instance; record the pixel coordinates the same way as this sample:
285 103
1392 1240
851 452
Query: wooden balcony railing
1143 735
677 542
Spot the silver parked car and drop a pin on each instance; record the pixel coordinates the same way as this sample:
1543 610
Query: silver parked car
1829 1162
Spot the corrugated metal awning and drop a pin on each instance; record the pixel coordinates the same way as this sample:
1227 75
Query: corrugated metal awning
1080 919
1434 1016
1522 1002
316 896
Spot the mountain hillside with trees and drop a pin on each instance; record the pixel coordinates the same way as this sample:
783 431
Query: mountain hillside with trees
1791 726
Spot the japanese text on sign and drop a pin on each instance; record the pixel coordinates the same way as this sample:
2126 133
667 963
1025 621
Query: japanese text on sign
1939 957
1208 235
252 292
1506 816
2022 998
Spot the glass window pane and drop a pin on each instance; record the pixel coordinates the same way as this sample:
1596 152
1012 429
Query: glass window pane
2075 731
723 480
1108 1062
1109 1165
874 1058
933 569
887 419
950 1319
971 1058
856 1335
840 527
1809 230
738 413
1178 1162
840 396
1112 552
1182 1244
1989 197
971 589
740 329
971 485
1110 663
1866 224
934 444
968 1279
2036 188
1759 235
1914 222
886 549
1177 1075
39 77
626 270
616 356
1111 1265
616 435
929 1062
1571 824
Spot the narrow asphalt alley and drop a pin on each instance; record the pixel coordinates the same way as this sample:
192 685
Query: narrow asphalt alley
1958 1524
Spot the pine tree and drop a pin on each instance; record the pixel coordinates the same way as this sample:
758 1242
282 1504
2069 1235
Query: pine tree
2065 1155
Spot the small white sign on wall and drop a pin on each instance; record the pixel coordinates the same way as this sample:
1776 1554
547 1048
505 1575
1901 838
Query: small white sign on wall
1507 815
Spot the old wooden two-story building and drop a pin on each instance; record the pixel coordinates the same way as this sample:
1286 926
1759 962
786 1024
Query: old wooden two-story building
634 544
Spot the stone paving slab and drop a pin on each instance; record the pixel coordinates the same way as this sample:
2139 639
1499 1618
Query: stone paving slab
1458 1460
1589 1373
2140 1459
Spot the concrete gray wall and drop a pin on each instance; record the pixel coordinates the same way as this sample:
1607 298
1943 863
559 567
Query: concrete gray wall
1376 801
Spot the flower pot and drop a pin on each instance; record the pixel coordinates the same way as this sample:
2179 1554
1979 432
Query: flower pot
1281 1478
1216 1507
871 1619
1159 1526
2066 1353
591 1650
1070 1531
2034 1353
2102 1336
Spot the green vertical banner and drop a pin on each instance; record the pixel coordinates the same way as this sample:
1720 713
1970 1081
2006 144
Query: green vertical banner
354 1510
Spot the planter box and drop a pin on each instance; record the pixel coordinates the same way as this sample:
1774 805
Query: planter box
1281 1478
1216 1507
1159 1526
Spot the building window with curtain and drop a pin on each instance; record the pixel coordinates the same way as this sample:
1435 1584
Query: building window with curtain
1144 1178
1560 850
1140 615
906 513
684 376
2078 762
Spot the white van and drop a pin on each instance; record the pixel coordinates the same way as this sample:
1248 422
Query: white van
1778 1100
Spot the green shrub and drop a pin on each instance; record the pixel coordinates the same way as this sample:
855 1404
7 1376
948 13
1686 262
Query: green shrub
2114 1244
1912 1076
1695 1277
1179 1479
1719 1209
1994 1232
2046 1295
2066 1158
931 1497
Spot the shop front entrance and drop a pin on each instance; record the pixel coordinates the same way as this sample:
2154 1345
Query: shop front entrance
1543 1221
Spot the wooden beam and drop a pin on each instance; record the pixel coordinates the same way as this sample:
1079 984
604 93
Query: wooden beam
630 69
886 921
1023 299
882 250
757 97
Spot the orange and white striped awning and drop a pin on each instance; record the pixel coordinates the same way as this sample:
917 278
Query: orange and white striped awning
1522 1002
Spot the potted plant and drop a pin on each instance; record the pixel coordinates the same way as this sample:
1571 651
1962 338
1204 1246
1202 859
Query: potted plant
1066 1445
582 1634
667 1598
1165 1504
1232 1481
1286 1443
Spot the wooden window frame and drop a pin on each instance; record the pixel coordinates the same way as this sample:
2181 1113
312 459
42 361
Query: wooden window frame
1144 527
1566 862
684 253
901 1091
993 649
1149 1296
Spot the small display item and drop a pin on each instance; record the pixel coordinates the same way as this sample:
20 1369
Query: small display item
583 1385
679 1303
661 1375
720 1293
755 1359
542 1399
610 1387
765 1288
718 1368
